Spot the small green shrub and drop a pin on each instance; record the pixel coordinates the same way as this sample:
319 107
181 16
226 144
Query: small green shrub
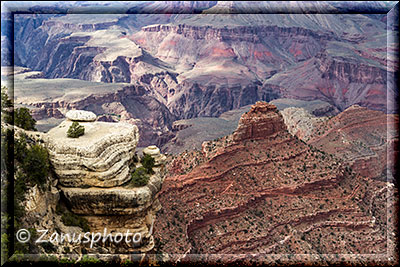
75 130
36 164
23 119
86 260
70 219
140 177
148 163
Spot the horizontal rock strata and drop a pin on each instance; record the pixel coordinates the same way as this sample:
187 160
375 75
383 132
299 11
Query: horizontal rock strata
113 201
98 158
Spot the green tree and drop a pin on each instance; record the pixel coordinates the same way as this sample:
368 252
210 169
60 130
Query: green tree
36 164
6 106
140 177
148 162
23 119
75 130
5 101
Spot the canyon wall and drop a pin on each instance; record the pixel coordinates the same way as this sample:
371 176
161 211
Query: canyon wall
262 190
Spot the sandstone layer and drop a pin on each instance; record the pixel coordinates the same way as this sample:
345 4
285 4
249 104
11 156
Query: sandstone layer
262 120
94 171
100 157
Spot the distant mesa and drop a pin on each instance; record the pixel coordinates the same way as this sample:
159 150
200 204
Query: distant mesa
81 115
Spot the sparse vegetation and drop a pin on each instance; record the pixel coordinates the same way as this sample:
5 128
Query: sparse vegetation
33 160
75 130
148 163
6 105
23 119
140 177
70 219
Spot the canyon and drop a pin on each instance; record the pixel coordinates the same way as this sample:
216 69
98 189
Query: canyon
185 65
272 127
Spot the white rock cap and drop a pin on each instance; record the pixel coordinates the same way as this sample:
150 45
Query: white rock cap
80 115
151 150
154 151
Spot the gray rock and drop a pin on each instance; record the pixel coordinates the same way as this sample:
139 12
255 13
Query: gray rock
80 115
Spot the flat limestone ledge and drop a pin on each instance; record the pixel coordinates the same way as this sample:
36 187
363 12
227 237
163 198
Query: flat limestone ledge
97 135
98 158
114 201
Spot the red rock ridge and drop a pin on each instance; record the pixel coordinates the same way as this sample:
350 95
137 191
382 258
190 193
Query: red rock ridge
263 191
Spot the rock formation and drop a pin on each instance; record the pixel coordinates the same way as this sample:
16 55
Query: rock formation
155 153
262 191
100 157
262 120
94 171
80 115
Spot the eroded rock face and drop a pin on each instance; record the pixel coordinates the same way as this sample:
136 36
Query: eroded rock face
94 172
262 120
113 201
269 193
98 158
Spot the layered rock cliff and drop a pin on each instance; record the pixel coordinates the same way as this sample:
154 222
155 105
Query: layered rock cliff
263 191
365 138
261 121
100 157
94 173
204 65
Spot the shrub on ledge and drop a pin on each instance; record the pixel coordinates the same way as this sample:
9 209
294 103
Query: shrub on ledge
148 163
75 130
140 177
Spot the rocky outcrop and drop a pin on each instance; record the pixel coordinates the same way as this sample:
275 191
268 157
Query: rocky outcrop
301 123
260 121
100 157
154 152
94 171
80 115
262 190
